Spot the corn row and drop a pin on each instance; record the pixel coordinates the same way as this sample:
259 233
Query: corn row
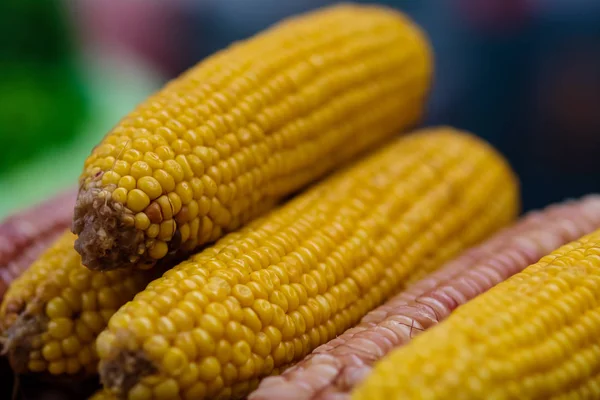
54 311
264 297
245 128
336 367
25 235
533 336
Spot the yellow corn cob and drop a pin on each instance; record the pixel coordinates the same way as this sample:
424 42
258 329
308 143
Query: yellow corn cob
245 128
52 314
534 336
265 296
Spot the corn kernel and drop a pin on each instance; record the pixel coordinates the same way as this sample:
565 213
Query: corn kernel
137 200
151 187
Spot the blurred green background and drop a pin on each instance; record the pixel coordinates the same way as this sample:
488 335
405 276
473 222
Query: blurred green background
522 74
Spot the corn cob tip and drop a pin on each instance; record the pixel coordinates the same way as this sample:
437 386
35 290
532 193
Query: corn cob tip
107 237
121 373
16 340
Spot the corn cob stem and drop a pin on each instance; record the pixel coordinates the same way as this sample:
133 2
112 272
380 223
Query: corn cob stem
533 336
53 312
25 235
264 297
243 129
336 367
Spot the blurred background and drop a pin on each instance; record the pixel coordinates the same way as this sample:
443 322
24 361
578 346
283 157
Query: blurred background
523 74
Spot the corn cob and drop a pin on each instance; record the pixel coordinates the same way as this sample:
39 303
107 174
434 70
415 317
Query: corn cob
265 296
245 128
534 336
336 367
25 235
53 312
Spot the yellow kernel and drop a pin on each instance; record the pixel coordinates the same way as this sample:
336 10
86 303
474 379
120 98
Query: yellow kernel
107 298
219 311
229 373
209 368
166 327
241 353
181 319
110 178
141 327
93 320
184 163
184 230
174 169
71 345
127 182
166 207
165 180
153 160
223 351
153 231
185 342
142 144
156 346
165 153
79 279
37 365
233 331
264 310
197 391
140 392
131 156
121 167
83 332
247 370
243 294
58 308
57 367
180 146
175 202
52 351
60 328
150 186
137 200
142 222
159 249
104 344
140 169
185 192
119 195
189 376
72 297
167 390
251 320
212 325
174 361
274 335
167 229
99 280
262 345
205 343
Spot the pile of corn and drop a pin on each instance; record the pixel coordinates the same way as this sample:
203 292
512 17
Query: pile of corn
190 272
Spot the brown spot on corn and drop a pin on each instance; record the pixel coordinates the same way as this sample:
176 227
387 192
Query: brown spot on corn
533 336
263 297
245 128
53 312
